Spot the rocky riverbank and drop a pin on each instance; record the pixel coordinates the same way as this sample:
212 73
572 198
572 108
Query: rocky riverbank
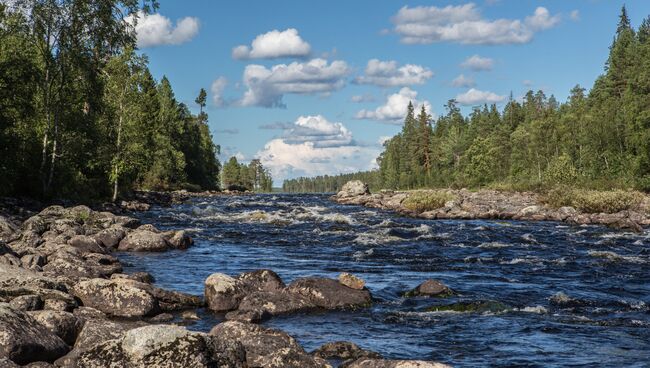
65 302
490 204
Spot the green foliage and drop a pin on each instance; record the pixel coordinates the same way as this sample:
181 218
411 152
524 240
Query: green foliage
242 177
422 201
593 201
597 140
81 116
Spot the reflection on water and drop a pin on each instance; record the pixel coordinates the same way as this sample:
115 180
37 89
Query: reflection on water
566 295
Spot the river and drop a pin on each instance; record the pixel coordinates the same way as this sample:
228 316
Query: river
540 293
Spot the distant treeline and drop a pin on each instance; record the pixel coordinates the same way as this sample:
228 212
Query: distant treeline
81 115
326 184
599 139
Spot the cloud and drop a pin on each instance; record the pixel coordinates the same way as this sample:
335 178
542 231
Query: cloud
362 98
388 74
395 108
575 15
316 146
217 88
266 87
477 97
272 45
478 63
527 82
276 126
464 24
156 30
463 81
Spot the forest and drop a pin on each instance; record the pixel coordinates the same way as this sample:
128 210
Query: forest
597 139
241 177
82 117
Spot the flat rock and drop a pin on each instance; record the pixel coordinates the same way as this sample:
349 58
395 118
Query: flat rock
143 241
330 294
115 297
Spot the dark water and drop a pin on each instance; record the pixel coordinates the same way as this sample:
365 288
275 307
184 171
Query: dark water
519 264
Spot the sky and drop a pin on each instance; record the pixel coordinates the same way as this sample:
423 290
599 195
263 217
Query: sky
313 88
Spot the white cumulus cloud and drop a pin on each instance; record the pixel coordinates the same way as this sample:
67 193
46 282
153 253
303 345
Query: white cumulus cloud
217 88
478 63
274 44
395 108
575 15
156 30
388 74
463 81
477 97
464 24
266 87
316 146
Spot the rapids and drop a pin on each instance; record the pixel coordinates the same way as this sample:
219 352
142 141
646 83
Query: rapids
527 293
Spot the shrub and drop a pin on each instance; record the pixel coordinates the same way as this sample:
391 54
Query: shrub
422 201
593 201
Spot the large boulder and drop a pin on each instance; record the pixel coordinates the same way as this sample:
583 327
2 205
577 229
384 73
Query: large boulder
353 188
110 238
345 351
7 230
63 324
163 346
143 241
116 297
330 294
260 305
265 347
24 340
224 293
72 262
17 281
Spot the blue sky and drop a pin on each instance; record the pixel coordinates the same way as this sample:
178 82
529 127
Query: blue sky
314 87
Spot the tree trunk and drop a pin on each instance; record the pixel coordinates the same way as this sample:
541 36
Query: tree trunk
117 155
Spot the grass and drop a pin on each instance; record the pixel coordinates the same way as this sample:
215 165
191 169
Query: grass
594 201
422 201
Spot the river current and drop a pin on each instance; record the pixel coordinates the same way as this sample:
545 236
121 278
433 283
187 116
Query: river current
540 294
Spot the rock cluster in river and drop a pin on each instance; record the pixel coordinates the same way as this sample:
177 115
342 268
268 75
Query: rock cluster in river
490 204
254 296
64 302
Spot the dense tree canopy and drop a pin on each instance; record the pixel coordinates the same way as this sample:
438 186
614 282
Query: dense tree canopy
242 177
598 140
80 113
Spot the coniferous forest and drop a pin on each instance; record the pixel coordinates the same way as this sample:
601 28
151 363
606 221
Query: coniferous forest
596 139
81 116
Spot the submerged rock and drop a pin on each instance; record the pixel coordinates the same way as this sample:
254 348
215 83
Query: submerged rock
345 351
430 288
482 306
381 363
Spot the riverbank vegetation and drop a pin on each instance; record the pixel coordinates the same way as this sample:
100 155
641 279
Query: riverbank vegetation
598 139
242 177
81 116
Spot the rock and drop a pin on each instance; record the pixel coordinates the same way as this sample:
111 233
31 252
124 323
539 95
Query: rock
145 277
190 315
6 363
23 340
330 294
33 261
7 230
353 188
10 259
71 262
110 238
59 305
35 224
260 305
87 313
17 281
158 346
86 244
266 347
63 324
116 298
27 303
343 350
351 281
430 288
148 227
478 306
222 292
179 239
162 317
143 241
381 363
